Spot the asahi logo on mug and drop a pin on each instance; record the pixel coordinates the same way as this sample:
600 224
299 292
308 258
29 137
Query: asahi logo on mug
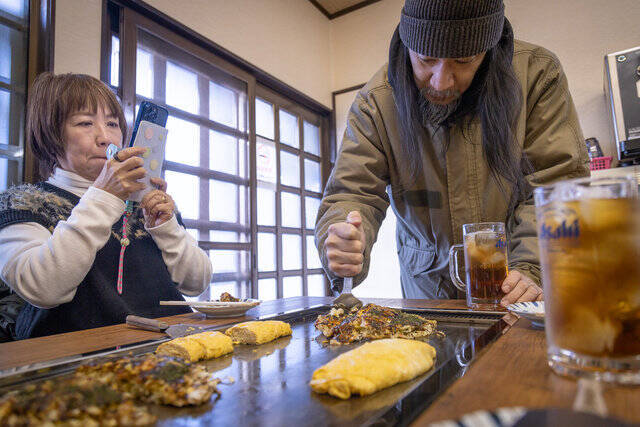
559 228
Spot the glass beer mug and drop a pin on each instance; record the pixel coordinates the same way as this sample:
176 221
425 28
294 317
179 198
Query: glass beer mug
589 238
485 261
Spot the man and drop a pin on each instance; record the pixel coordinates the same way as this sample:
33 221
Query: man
456 129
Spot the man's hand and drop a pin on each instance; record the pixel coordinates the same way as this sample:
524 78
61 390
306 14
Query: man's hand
519 288
344 246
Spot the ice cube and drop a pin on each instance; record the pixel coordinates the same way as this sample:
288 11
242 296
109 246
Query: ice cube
495 260
485 239
474 253
587 332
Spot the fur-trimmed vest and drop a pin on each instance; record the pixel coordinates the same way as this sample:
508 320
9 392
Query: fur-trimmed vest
96 303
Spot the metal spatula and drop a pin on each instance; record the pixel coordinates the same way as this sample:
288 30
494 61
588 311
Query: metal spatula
346 298
174 331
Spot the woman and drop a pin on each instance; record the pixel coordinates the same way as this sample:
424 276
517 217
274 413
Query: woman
68 247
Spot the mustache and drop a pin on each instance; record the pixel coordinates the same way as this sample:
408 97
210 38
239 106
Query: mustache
430 92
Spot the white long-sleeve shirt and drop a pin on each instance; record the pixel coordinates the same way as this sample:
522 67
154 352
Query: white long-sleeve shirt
46 268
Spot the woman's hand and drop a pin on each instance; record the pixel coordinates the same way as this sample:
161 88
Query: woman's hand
519 288
120 178
157 205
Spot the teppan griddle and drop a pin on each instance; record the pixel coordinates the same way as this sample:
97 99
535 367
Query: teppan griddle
268 385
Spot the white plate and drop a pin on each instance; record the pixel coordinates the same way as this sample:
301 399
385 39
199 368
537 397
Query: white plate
229 309
533 310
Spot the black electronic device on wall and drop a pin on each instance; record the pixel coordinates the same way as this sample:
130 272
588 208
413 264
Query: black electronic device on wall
622 90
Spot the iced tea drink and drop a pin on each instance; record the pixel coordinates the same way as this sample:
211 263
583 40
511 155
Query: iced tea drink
485 260
589 237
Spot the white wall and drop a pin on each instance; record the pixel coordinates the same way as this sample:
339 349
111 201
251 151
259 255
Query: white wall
288 39
581 32
360 42
78 27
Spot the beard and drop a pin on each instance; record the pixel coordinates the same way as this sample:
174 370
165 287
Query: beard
436 114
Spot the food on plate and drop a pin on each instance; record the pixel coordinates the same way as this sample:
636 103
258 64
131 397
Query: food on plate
201 346
372 367
373 322
155 379
227 297
76 401
258 332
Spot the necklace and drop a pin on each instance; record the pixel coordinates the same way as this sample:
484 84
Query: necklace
124 242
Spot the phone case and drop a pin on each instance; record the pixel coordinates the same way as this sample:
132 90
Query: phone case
151 113
153 138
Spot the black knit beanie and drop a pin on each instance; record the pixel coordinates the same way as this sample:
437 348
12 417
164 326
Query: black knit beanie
451 28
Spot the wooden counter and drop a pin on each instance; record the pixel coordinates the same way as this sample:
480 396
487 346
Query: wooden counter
510 372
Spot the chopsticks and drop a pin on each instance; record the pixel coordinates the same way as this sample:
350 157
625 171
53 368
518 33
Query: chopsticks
207 303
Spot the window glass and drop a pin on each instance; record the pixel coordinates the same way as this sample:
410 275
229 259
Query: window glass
290 209
144 73
266 252
183 189
4 171
267 289
115 61
183 142
312 175
289 169
182 88
228 261
194 233
315 285
266 160
311 206
311 138
266 205
17 8
264 118
13 72
288 129
291 286
223 105
226 236
225 153
5 121
313 258
5 52
223 201
291 252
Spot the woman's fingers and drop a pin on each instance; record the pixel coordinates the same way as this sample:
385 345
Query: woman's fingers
127 153
159 183
158 207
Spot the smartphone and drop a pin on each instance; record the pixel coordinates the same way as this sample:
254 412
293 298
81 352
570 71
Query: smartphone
150 112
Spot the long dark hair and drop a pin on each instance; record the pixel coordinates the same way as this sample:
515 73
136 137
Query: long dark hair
494 96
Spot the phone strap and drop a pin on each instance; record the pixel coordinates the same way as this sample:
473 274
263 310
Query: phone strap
124 242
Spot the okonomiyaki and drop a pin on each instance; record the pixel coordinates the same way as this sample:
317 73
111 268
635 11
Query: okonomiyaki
373 322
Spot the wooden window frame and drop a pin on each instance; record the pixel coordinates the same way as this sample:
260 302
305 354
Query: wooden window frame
40 50
134 14
280 102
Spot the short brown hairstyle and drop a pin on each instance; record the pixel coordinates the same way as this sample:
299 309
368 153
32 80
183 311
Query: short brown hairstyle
52 99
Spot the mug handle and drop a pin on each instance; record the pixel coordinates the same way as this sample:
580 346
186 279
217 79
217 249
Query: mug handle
453 267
